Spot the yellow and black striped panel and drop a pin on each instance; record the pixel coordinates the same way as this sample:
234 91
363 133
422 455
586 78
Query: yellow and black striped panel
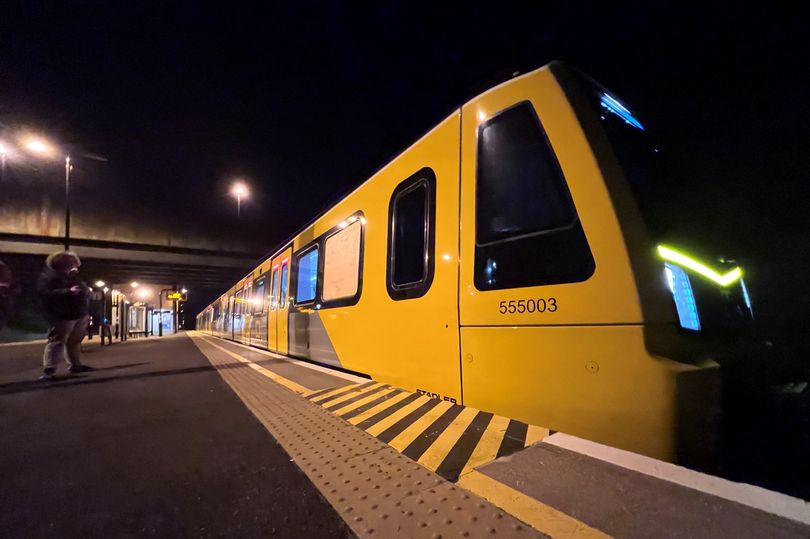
447 438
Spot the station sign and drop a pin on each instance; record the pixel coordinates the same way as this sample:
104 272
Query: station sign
174 294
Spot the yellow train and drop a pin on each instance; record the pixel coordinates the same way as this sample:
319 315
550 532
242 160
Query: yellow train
506 261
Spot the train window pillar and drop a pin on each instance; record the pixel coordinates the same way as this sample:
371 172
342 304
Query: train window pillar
527 231
411 236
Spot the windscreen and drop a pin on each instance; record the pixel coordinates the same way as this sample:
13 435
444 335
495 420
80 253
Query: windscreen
673 217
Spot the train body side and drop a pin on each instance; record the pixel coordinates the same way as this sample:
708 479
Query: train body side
569 350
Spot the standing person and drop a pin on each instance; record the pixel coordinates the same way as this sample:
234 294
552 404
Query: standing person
66 301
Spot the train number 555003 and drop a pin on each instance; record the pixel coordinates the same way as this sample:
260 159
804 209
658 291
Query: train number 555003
541 305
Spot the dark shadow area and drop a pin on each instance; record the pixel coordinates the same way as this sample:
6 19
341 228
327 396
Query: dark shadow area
766 420
171 452
41 385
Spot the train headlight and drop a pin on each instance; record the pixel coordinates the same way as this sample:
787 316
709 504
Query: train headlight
683 295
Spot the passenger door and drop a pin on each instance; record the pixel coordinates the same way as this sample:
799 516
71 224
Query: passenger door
283 309
258 324
272 315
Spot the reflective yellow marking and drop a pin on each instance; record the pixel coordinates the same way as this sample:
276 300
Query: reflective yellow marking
416 428
535 434
270 374
359 418
380 426
353 394
440 447
361 402
327 395
540 516
487 448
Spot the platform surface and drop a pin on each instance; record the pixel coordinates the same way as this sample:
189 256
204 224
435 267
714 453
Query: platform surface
192 435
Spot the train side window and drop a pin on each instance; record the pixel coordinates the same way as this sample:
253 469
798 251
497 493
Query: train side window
342 264
527 231
307 276
282 299
411 236
259 302
247 299
237 303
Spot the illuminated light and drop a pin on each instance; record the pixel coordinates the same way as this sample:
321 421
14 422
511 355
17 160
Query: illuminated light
100 284
144 293
671 255
318 306
446 257
184 291
746 297
4 151
134 284
38 146
239 190
106 289
670 278
611 104
683 296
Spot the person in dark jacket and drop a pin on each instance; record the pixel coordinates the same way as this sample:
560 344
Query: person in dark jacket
66 301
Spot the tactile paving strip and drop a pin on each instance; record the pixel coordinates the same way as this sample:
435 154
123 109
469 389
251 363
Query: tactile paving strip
378 491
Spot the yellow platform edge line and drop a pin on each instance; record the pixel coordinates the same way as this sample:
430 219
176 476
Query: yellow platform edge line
536 514
362 402
320 398
441 446
383 424
415 429
486 450
359 418
289 384
535 434
349 396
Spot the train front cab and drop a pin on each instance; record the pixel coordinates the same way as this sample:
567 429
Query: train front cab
565 317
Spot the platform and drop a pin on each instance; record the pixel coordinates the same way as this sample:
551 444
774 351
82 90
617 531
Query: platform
196 435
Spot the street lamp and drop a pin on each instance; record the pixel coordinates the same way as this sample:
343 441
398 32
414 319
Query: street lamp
239 190
43 148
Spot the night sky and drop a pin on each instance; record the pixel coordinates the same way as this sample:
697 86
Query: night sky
308 101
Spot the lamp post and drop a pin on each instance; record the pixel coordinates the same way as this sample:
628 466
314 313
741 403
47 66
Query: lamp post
68 168
239 190
42 148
